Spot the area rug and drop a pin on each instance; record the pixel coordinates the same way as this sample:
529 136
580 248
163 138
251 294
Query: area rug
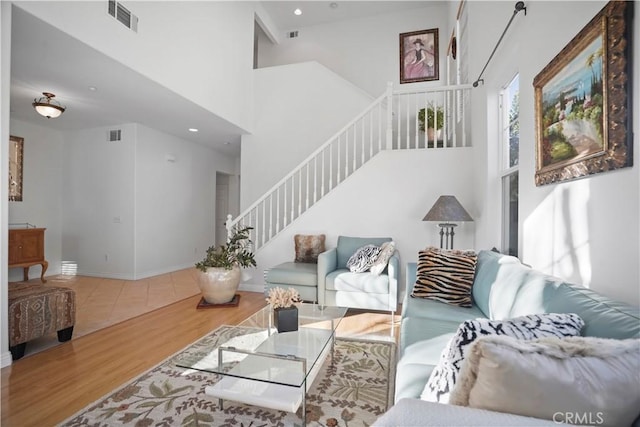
354 391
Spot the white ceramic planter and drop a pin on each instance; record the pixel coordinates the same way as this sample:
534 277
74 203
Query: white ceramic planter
218 285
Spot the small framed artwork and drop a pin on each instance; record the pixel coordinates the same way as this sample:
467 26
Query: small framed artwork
16 152
419 56
583 101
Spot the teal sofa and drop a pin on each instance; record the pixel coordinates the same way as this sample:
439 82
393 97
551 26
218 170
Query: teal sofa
503 288
339 286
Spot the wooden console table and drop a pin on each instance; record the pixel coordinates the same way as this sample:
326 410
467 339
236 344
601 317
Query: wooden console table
26 248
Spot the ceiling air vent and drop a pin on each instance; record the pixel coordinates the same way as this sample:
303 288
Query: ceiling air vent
292 34
124 15
115 135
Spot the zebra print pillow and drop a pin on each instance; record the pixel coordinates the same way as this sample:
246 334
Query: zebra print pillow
445 275
533 326
363 258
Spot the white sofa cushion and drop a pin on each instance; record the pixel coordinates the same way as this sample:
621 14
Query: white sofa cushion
576 379
418 413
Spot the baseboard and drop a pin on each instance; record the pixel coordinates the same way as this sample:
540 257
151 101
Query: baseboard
163 271
126 276
6 359
105 275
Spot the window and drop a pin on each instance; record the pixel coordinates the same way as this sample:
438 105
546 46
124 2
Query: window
510 141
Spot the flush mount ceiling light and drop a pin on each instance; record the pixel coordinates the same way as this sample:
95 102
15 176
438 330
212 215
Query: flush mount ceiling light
297 12
193 130
47 106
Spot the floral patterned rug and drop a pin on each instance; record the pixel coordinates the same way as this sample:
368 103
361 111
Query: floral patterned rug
355 391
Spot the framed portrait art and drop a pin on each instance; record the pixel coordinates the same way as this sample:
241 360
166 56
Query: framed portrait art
583 101
419 56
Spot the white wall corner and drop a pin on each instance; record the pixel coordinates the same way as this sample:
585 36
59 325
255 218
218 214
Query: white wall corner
269 27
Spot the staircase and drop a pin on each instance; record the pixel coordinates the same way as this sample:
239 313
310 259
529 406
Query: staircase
391 122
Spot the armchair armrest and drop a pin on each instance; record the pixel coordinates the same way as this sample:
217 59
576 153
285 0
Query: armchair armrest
393 269
410 281
327 262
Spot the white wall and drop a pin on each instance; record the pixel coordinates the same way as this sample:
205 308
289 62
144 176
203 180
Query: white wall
297 108
586 231
41 203
201 50
387 197
363 51
5 80
99 202
175 201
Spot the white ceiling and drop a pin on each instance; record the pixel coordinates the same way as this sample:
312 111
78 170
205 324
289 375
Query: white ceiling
44 59
321 12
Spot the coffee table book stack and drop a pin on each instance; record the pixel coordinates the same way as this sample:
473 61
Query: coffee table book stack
262 367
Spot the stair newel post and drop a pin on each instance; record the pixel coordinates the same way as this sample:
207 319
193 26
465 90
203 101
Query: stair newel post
389 115
229 226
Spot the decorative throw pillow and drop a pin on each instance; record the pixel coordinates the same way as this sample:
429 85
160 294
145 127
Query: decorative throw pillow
386 250
363 258
554 378
446 372
445 275
308 247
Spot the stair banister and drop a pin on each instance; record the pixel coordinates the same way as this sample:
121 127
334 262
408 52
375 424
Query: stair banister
402 106
375 103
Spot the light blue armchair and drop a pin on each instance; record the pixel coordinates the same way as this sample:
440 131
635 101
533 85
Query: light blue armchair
339 286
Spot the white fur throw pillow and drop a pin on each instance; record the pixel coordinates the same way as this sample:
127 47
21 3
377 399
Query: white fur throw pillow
386 250
363 258
579 380
445 374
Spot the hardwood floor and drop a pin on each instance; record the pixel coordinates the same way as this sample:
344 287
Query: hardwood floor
46 388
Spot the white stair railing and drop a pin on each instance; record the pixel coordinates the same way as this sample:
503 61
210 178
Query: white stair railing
450 106
390 122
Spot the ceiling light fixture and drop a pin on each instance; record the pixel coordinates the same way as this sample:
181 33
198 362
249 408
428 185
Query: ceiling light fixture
47 106
333 5
193 130
297 12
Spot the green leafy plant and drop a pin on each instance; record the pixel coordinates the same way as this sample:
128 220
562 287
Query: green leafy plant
432 113
235 253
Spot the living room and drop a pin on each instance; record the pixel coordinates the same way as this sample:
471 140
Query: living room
565 229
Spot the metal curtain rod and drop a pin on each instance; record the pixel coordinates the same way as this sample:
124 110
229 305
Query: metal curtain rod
519 6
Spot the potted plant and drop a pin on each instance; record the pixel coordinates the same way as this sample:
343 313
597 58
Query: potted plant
434 120
220 268
285 313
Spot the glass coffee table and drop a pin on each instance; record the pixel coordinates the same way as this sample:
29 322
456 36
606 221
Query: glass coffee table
262 367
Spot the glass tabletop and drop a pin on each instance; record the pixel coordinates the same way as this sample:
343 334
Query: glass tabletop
254 349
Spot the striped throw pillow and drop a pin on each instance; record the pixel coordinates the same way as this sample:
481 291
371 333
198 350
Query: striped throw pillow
445 275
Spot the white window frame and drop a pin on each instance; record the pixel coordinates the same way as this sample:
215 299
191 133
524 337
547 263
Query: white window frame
504 170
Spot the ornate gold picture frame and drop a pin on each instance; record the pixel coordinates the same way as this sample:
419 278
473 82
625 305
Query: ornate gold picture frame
583 101
16 153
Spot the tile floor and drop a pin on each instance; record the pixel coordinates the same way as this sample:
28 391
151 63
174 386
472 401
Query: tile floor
104 302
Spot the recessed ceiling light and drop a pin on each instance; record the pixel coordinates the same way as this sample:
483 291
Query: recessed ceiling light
93 88
297 12
193 130
333 5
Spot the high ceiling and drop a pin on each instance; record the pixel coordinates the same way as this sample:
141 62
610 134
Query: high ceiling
47 59
322 12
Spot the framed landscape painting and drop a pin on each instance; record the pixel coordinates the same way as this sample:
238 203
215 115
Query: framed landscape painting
583 102
419 56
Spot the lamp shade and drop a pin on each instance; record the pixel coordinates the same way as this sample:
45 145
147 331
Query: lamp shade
47 106
447 209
